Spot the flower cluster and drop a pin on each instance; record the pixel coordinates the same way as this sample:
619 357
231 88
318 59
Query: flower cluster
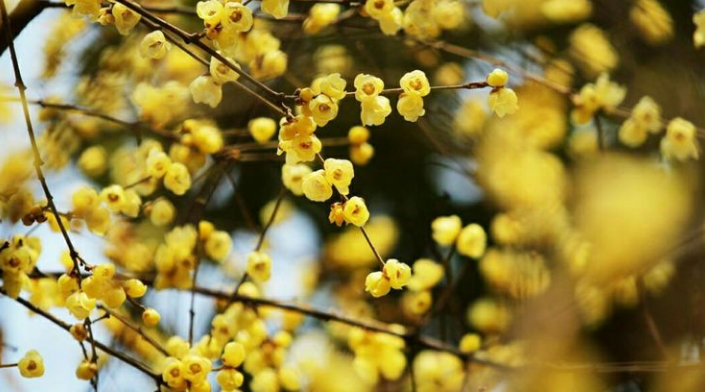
421 18
502 100
377 354
18 257
470 240
603 95
394 275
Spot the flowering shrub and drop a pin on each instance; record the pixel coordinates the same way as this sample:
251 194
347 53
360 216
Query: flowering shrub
507 185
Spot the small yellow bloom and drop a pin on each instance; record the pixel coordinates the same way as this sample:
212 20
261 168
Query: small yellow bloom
377 9
177 179
233 354
498 78
204 89
333 85
218 245
367 87
86 370
125 18
472 241
229 379
162 212
93 161
237 16
259 266
293 177
154 46
316 187
340 173
276 8
445 229
323 109
210 11
680 141
503 102
151 317
114 197
158 163
375 110
699 34
355 211
31 365
410 106
80 305
415 82
397 272
470 343
377 284
134 288
358 135
262 129
221 72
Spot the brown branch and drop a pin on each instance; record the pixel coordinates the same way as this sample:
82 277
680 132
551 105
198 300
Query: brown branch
108 350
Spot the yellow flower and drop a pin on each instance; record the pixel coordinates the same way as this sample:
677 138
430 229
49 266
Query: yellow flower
276 8
361 154
320 16
333 85
591 48
358 135
415 82
680 141
367 87
125 18
162 212
445 229
648 113
237 16
567 11
391 23
293 177
210 11
472 241
31 365
154 45
221 72
151 317
355 211
196 368
80 305
269 65
378 8
632 133
397 272
653 21
229 379
114 197
218 245
204 89
259 266
699 34
316 187
336 214
233 354
375 110
498 78
262 128
427 274
158 163
340 173
323 109
93 161
377 284
134 288
503 102
86 370
84 201
173 374
207 138
410 105
177 179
